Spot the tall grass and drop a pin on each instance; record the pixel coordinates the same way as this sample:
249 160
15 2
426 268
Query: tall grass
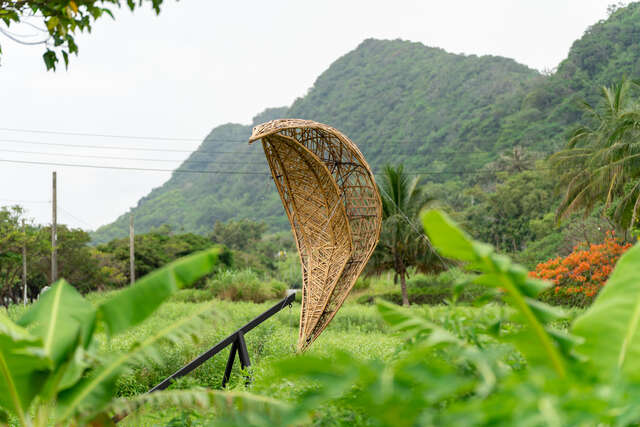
356 329
245 285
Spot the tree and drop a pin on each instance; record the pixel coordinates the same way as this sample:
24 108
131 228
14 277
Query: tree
155 249
238 234
12 239
504 216
601 162
89 269
402 243
60 19
515 161
54 375
77 262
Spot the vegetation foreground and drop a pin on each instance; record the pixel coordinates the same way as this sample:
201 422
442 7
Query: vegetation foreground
513 362
496 345
357 329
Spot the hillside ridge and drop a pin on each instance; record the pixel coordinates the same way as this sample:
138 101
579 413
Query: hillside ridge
436 112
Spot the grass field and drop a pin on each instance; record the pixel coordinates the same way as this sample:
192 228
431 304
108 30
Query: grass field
356 329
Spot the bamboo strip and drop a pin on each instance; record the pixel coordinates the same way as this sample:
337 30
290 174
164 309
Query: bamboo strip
331 199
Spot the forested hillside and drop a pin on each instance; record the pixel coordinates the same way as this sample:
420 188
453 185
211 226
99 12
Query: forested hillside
440 114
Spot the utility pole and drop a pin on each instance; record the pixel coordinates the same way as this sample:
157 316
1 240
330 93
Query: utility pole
132 255
24 263
54 231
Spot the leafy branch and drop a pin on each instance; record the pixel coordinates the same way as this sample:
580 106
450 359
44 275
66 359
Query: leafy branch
49 353
61 19
520 290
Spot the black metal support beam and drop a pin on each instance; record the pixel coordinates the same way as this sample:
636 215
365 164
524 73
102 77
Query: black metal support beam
230 360
238 345
236 338
243 355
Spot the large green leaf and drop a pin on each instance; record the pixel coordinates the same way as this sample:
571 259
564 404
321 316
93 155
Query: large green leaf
610 326
412 325
537 341
63 319
136 303
91 394
449 239
24 367
402 320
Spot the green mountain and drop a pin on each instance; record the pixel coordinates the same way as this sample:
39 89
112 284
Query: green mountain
441 114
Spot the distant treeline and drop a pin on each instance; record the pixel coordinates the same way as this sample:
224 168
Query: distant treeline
90 268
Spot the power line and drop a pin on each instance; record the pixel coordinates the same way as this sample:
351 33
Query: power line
75 217
125 158
13 37
194 152
24 201
133 169
478 172
161 138
84 156
113 147
47 201
198 152
101 135
220 172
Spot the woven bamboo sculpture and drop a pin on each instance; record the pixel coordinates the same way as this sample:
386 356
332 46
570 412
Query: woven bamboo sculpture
334 208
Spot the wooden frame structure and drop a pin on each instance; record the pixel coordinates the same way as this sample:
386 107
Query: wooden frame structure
330 197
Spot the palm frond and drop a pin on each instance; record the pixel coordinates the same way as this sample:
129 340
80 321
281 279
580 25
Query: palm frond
634 214
600 159
624 207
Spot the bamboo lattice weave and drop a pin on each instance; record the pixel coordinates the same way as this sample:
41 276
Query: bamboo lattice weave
330 197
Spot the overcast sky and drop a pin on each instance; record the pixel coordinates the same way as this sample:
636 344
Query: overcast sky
203 63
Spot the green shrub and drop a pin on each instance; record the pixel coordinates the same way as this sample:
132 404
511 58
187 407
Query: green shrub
243 260
452 276
288 269
431 295
454 369
192 295
53 375
360 326
245 285
362 283
421 281
431 289
445 278
278 288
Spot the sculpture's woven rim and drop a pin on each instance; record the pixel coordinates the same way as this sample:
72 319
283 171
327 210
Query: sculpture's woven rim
275 126
293 146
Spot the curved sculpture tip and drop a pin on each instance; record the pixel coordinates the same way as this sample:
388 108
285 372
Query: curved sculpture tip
329 194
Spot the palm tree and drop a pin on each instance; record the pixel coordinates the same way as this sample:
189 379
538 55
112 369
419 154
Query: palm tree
515 161
601 163
402 243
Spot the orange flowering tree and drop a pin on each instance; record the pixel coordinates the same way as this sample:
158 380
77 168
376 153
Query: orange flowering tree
579 276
